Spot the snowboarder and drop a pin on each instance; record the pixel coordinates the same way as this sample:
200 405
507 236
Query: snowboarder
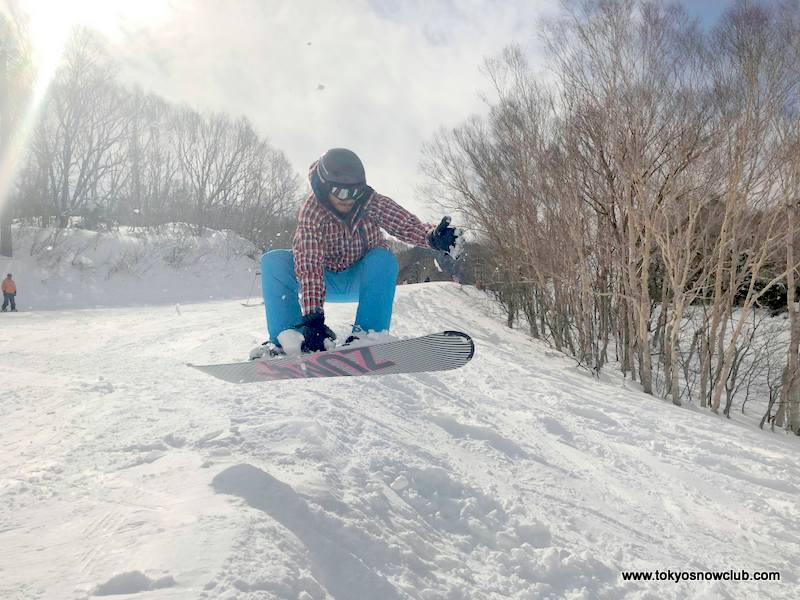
9 293
340 254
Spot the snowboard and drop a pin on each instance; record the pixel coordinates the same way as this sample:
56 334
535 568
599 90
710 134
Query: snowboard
435 352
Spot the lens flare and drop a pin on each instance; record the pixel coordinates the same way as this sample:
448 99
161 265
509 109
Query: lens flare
46 39
48 26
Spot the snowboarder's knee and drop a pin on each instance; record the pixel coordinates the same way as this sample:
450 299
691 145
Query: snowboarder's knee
383 261
277 261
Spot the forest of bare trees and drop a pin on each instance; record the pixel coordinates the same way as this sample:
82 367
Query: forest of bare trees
103 155
638 200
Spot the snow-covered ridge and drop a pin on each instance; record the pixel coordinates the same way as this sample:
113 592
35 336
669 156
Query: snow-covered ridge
517 476
75 268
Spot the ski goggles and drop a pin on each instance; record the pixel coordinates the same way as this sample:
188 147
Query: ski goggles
350 192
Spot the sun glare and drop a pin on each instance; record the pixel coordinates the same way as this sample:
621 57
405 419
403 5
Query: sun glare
51 21
49 25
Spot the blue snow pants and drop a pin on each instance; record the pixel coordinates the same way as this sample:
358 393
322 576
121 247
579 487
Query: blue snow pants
370 282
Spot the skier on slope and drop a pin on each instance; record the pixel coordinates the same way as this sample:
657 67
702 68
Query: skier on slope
9 293
339 254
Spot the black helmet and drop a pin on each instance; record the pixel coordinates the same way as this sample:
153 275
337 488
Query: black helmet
340 166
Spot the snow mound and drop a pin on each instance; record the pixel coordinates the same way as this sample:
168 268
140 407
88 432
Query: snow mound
74 268
132 583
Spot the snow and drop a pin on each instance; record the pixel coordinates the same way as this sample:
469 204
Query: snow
131 583
458 248
518 476
83 269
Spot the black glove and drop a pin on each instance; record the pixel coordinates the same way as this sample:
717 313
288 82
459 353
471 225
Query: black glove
445 238
315 332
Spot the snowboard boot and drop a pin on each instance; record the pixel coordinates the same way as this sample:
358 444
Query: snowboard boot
266 350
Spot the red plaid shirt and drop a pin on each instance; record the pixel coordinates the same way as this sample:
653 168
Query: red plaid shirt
322 241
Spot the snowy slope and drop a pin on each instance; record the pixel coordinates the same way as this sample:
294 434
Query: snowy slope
73 268
124 472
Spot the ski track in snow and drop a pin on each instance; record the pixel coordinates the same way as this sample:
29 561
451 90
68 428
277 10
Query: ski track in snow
517 476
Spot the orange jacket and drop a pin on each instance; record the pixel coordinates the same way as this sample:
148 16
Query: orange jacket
9 287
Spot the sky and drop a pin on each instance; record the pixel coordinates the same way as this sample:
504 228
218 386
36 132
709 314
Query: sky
376 76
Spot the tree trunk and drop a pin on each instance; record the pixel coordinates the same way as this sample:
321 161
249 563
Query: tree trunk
6 212
646 364
710 344
674 345
788 411
705 365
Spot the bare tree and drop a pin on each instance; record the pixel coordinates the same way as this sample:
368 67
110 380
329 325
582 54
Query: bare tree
151 167
268 197
211 150
77 141
647 183
789 130
753 77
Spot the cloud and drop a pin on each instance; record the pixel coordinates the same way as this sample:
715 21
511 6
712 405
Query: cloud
373 75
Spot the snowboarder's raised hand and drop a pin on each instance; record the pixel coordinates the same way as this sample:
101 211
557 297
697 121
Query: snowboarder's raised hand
315 332
446 238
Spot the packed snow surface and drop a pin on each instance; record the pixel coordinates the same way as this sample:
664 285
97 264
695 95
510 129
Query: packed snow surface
125 473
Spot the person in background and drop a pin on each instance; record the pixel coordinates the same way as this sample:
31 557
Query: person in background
9 293
340 254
